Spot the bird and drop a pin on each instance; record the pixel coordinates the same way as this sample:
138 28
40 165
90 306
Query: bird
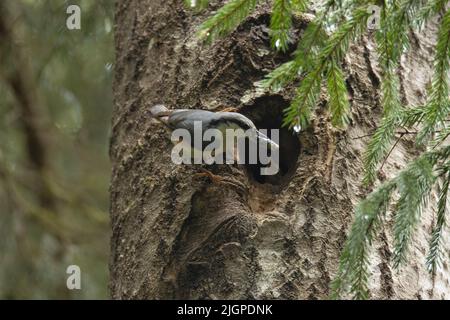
222 120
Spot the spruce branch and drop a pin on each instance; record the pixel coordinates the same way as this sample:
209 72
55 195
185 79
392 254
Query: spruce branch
338 98
435 253
312 39
383 137
438 108
411 116
390 99
281 21
226 19
443 134
431 8
299 112
407 11
299 6
378 147
280 24
414 185
353 271
392 40
333 52
280 77
337 45
389 47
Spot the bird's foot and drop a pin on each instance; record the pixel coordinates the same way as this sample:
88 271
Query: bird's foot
229 109
221 180
208 174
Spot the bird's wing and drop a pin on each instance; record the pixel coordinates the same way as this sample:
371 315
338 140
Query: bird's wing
237 118
185 119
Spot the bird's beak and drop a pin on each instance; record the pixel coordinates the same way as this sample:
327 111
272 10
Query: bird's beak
271 164
267 140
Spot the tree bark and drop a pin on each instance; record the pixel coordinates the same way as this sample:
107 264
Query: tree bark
177 236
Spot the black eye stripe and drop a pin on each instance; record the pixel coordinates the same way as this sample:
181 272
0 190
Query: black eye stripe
242 124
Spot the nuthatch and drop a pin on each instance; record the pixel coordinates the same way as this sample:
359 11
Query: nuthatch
186 119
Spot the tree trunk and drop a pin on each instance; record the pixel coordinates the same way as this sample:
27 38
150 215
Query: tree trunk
178 236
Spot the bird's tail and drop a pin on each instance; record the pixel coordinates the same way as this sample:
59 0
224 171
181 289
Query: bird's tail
160 113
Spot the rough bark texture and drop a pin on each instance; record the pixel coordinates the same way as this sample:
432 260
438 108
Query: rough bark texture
177 236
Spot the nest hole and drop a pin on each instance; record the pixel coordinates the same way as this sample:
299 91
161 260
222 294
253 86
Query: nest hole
267 113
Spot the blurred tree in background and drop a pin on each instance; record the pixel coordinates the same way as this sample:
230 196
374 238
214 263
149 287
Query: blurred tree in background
55 104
